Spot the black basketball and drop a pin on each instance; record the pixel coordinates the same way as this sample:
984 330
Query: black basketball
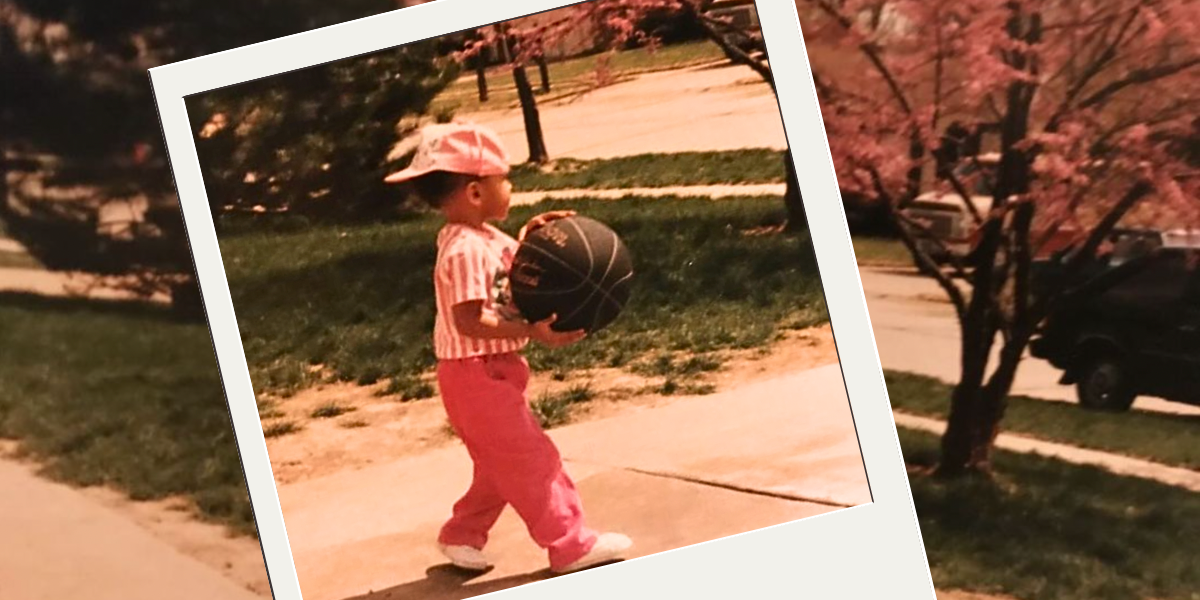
574 267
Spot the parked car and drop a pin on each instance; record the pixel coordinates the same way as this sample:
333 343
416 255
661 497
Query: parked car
1130 326
948 226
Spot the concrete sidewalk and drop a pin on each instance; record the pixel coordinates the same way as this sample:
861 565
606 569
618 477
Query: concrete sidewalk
58 544
1115 463
693 471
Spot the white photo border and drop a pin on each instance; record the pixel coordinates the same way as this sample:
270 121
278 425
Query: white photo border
869 551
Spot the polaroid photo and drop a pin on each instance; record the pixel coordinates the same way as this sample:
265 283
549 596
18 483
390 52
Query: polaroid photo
412 422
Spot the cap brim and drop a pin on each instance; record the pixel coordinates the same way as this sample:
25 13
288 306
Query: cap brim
405 175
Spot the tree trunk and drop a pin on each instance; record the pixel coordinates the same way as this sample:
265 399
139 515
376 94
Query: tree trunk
533 123
481 77
793 201
544 72
966 445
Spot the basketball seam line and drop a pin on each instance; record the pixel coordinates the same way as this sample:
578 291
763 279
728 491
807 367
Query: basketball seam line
586 278
591 262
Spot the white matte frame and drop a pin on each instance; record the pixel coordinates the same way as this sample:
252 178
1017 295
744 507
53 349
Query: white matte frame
869 551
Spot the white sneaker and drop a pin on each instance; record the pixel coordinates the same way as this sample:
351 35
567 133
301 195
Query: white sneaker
465 557
608 546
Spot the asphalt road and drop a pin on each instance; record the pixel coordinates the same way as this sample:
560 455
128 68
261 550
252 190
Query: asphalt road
916 331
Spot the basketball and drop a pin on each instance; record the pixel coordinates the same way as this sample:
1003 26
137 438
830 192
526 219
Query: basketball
574 267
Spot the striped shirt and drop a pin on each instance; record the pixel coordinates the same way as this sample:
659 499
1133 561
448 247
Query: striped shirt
472 264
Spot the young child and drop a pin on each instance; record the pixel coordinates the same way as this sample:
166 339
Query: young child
462 170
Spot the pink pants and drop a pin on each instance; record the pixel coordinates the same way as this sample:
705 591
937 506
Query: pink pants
515 461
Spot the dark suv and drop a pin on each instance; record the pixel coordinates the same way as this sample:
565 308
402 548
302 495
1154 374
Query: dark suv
1132 324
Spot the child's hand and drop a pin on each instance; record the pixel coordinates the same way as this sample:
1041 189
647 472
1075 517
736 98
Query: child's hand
552 338
541 220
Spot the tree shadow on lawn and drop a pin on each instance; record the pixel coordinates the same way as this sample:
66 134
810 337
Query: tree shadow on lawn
1051 530
119 393
366 311
73 304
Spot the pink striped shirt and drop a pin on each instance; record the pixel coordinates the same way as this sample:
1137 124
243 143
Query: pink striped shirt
472 264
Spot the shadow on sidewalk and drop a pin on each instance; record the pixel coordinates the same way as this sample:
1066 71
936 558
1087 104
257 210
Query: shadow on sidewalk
446 582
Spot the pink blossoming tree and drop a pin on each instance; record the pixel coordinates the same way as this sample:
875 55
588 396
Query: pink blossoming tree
1092 104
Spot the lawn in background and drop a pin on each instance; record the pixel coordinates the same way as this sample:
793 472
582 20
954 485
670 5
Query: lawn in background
754 165
359 301
1050 530
1167 439
571 76
119 394
881 252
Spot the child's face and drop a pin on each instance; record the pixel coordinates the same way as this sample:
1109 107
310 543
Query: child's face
495 196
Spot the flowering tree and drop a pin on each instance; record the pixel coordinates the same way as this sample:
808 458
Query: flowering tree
1090 102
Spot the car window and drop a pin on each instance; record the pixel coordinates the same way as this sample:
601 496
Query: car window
1131 247
1160 284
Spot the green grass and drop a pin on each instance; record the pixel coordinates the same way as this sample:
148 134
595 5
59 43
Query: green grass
18 260
571 76
278 428
1167 439
408 387
881 252
1049 530
330 410
359 301
104 393
655 170
554 410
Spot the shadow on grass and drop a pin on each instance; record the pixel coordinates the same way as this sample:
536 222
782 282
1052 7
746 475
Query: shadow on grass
120 394
1049 530
1164 438
69 304
360 300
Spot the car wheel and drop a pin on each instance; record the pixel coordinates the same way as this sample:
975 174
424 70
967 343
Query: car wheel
1104 385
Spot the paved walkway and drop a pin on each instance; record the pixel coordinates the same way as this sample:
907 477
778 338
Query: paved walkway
672 476
727 108
684 191
1116 463
59 544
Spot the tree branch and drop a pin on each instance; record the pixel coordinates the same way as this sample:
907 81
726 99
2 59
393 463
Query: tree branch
923 260
1138 76
731 51
872 53
1090 72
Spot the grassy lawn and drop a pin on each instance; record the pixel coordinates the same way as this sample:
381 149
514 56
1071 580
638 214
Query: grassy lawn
1168 439
18 260
571 76
359 301
121 395
655 170
1054 531
881 252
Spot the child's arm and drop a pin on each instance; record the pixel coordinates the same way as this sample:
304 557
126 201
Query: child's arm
470 320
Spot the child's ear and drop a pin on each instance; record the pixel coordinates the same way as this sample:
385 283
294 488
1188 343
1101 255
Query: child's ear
474 191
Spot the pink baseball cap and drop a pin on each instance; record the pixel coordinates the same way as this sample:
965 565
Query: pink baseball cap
459 147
